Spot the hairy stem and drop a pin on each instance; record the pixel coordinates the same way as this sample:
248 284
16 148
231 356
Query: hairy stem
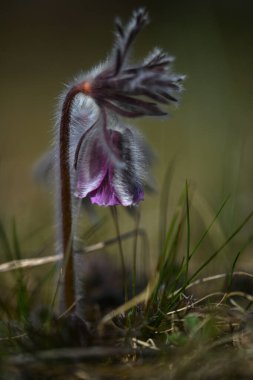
68 293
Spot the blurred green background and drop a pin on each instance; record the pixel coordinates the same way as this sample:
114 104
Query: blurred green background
209 137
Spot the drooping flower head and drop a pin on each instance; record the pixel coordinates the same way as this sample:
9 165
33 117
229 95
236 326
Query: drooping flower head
109 183
97 156
111 159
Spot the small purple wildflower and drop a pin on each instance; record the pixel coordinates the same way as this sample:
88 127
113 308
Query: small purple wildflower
111 160
113 189
103 181
110 157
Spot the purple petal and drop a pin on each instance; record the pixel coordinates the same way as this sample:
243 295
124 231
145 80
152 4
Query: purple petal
91 168
128 182
105 195
129 194
138 195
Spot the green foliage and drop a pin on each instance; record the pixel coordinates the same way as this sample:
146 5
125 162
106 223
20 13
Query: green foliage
171 318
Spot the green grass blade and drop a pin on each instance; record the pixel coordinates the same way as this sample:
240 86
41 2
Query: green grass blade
238 255
209 227
164 202
172 231
188 238
212 257
16 246
22 294
4 241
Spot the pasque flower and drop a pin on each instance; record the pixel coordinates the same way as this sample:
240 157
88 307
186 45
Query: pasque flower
106 182
111 159
100 157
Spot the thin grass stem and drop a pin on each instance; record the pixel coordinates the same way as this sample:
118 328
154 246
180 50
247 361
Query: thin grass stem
137 223
188 241
236 231
123 264
209 227
245 245
164 201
